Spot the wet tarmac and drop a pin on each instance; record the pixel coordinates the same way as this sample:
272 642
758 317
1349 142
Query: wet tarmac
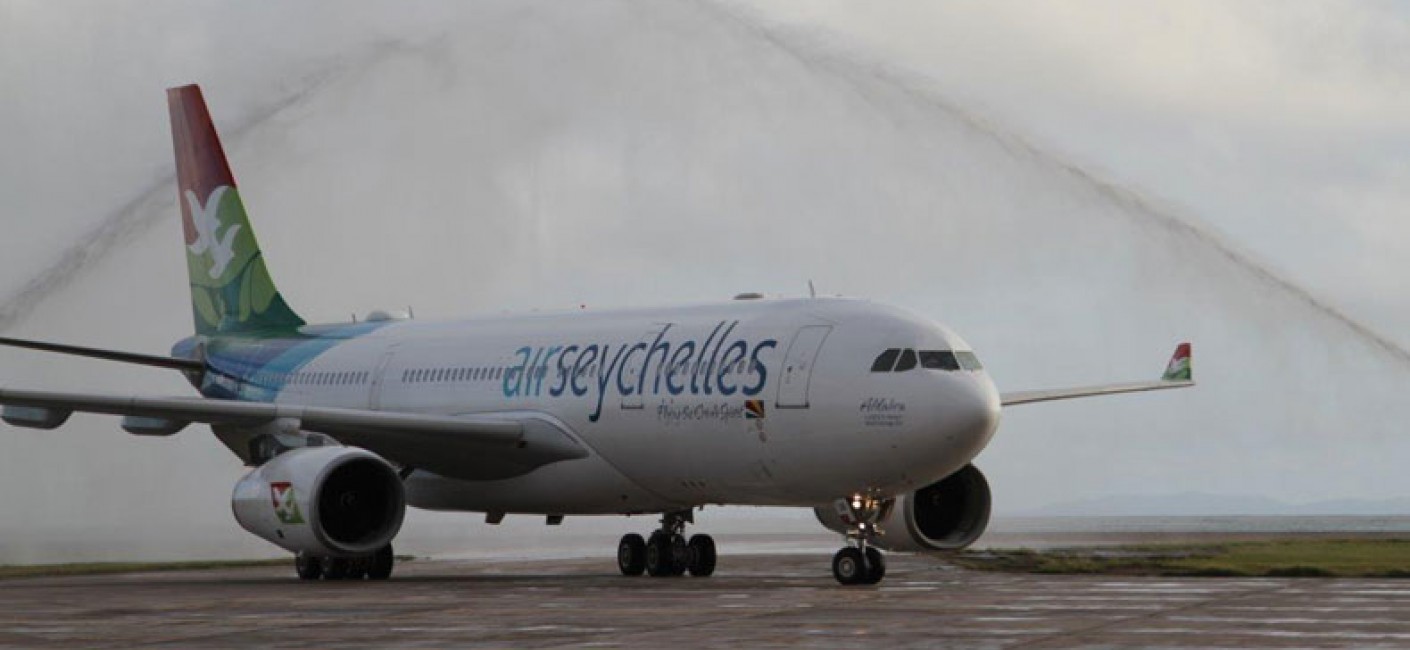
753 601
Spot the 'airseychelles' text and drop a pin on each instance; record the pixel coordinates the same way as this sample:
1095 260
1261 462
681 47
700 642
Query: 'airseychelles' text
720 365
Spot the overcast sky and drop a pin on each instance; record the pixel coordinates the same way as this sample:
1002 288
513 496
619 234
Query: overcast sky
1284 124
1074 187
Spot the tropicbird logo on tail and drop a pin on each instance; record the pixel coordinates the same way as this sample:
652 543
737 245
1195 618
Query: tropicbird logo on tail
206 220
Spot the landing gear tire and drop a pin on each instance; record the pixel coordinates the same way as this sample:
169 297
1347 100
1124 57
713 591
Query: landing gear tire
666 552
680 555
631 555
380 565
849 566
860 563
701 551
661 555
876 566
308 567
335 568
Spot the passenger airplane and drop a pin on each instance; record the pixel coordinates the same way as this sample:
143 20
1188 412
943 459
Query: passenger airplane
867 413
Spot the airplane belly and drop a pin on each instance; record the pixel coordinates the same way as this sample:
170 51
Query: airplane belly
587 486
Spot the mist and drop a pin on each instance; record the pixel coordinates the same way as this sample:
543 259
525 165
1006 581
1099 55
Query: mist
471 159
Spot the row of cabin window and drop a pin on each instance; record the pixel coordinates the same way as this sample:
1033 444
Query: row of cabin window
313 378
467 374
415 375
898 360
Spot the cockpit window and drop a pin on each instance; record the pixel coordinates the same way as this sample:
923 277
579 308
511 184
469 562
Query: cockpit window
939 360
968 361
898 360
886 360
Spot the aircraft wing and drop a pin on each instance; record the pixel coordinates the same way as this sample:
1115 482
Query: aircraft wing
437 442
1177 375
189 365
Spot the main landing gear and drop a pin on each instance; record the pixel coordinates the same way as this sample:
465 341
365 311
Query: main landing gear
377 566
666 552
859 563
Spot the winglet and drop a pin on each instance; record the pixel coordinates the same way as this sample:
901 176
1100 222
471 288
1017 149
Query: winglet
1179 367
1177 375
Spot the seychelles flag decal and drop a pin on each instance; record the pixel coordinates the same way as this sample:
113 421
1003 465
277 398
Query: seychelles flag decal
286 507
754 409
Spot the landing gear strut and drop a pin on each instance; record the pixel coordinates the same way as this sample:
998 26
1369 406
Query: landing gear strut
377 566
859 563
667 552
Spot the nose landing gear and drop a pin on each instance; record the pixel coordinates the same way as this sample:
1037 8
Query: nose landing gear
855 566
667 552
860 563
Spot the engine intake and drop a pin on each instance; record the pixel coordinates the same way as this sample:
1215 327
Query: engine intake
324 501
947 515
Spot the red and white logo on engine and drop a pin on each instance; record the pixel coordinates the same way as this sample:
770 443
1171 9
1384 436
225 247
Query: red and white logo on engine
286 506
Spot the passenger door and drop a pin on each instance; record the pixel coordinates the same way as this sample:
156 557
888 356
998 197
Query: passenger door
798 366
374 392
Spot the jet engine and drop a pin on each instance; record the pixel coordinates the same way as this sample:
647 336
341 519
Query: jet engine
947 515
323 501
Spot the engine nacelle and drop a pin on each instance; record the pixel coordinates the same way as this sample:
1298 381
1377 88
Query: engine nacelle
945 516
324 501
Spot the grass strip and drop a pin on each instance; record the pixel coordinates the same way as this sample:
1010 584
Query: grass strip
1330 558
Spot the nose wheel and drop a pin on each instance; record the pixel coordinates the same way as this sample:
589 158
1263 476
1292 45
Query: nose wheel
855 566
860 563
667 552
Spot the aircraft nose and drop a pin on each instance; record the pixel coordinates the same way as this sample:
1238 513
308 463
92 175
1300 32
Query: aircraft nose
976 412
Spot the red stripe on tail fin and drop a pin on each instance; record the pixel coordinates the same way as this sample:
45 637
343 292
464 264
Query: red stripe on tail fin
200 159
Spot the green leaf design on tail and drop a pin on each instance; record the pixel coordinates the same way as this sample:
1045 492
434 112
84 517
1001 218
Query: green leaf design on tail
231 290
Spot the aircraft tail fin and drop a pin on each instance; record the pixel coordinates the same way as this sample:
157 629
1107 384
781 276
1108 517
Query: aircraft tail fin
231 290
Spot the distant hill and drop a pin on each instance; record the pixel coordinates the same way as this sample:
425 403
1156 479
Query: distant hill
1190 504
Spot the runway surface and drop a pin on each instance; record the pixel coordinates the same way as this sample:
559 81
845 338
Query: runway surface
754 600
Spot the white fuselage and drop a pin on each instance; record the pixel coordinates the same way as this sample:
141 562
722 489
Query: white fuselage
760 402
